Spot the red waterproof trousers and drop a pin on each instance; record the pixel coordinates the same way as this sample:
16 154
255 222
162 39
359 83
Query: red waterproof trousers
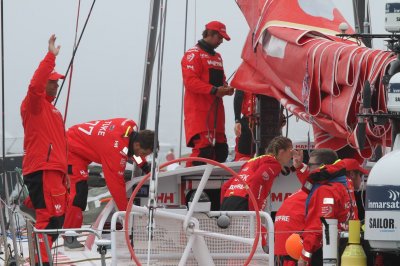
48 195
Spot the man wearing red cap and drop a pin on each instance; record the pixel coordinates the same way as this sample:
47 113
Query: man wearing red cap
354 171
205 85
44 166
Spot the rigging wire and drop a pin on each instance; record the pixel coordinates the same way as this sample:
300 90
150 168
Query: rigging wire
183 85
72 65
367 18
75 50
3 128
154 164
195 20
287 122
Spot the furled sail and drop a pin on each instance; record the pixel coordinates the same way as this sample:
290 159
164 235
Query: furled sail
293 55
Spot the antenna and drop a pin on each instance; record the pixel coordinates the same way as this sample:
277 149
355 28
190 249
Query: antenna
343 27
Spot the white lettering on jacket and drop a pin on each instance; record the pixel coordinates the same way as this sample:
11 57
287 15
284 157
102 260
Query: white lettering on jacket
238 186
282 218
214 63
103 128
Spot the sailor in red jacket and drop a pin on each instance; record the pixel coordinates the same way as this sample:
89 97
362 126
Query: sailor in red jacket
290 217
44 166
205 85
259 174
111 143
328 198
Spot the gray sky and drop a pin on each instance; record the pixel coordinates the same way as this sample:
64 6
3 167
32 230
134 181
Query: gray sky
108 69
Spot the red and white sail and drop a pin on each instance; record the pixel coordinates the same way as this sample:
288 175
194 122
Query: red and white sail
293 55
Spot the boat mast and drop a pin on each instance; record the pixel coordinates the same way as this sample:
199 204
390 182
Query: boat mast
149 62
3 164
362 19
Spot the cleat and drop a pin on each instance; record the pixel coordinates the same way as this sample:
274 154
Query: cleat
71 243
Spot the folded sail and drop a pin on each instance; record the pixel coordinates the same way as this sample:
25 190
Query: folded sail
293 55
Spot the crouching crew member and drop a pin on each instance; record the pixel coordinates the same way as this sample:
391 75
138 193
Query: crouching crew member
111 143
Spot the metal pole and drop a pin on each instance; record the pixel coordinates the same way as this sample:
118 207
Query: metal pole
183 86
11 219
4 232
356 10
258 129
154 170
3 164
149 62
31 247
330 242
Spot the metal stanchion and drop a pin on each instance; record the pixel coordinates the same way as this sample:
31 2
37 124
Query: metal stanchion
4 232
31 247
11 219
330 242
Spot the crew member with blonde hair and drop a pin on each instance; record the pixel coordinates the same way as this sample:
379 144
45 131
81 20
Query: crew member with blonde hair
259 174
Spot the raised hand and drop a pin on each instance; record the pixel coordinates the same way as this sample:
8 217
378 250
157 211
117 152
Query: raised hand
52 48
297 158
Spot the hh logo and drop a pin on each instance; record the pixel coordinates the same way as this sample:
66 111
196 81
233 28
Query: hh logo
165 198
57 207
265 176
244 177
190 57
83 173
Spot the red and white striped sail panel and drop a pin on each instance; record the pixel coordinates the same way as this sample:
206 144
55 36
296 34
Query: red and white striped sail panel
292 54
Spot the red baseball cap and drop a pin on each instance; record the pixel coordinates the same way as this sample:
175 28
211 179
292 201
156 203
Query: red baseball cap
353 165
56 76
219 27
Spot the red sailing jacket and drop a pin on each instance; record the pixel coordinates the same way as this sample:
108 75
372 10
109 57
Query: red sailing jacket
105 142
45 145
331 200
289 219
302 173
201 70
259 173
247 104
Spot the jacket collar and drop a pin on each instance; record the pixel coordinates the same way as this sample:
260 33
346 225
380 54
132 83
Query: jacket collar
206 47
